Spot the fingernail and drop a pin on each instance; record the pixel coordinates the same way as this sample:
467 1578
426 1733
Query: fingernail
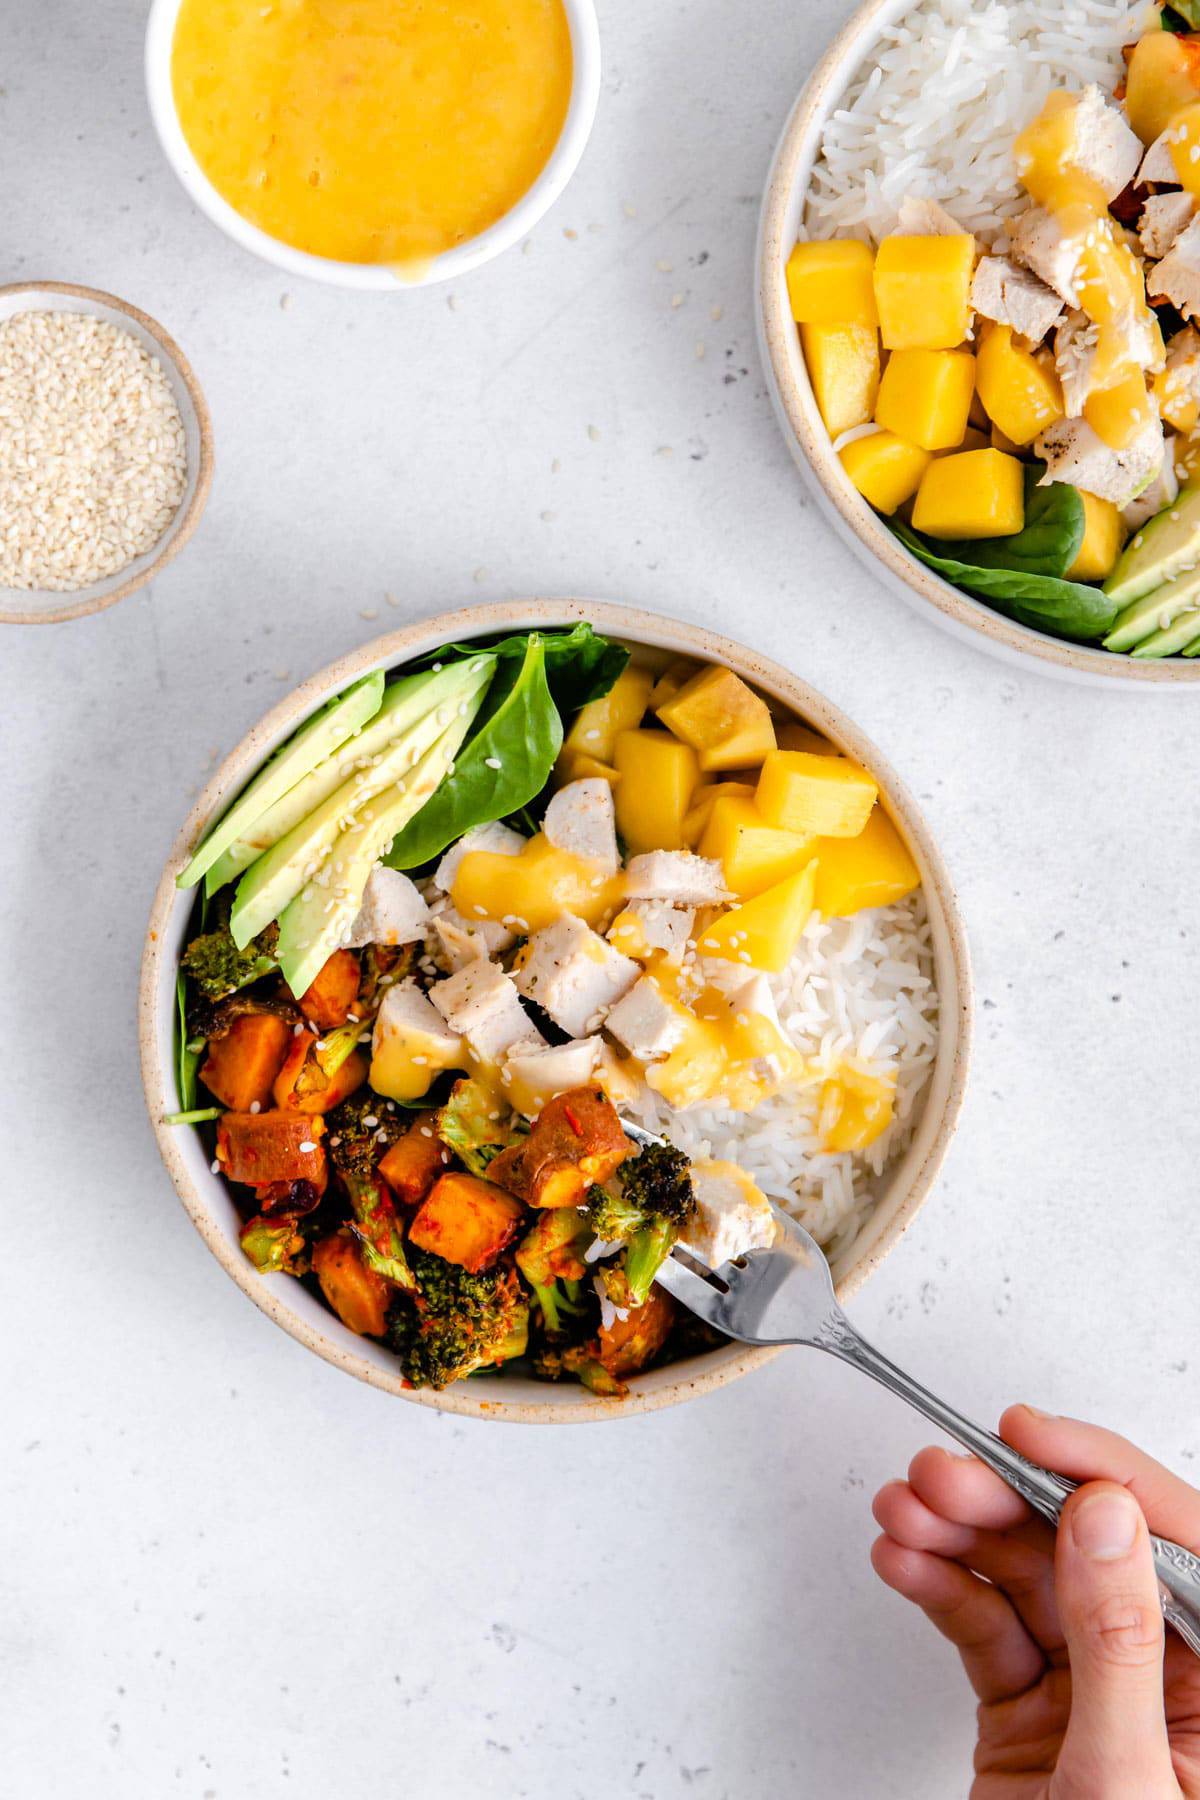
1037 1411
1104 1526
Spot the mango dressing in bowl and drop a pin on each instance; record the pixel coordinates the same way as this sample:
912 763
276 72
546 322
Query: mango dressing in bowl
372 132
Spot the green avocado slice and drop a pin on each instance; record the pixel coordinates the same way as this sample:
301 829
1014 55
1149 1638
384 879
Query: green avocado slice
1155 610
319 738
1169 546
1173 638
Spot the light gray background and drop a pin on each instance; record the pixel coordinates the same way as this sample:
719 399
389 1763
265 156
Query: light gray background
229 1571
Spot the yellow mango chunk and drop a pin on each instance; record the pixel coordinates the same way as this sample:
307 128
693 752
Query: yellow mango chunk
829 283
872 869
1185 136
815 796
671 680
723 719
923 291
658 777
1186 455
1118 415
533 889
855 1108
754 855
1173 397
925 396
1161 79
1021 396
803 737
1103 536
843 366
578 768
704 798
763 933
885 470
977 493
1108 276
977 440
1000 440
595 729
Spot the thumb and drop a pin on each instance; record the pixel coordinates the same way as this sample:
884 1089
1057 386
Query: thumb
1116 1742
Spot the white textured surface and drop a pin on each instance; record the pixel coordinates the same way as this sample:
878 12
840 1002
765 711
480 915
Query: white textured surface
231 1572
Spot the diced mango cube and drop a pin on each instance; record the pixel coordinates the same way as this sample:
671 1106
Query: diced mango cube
925 396
1163 76
976 493
923 291
764 932
671 680
885 470
1120 414
829 283
658 777
855 1108
1173 397
803 737
1021 396
702 802
1185 136
815 796
534 888
754 855
1103 536
843 366
579 768
872 869
595 728
723 719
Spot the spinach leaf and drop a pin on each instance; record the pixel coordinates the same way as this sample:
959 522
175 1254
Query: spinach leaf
506 763
1181 17
189 1059
580 664
1049 543
1065 609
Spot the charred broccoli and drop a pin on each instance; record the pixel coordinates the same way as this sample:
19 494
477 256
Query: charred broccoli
218 968
646 1213
551 1258
457 1323
360 1130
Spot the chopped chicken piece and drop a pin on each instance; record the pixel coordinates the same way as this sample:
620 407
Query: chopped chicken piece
392 911
647 1022
573 975
1158 165
678 876
536 1073
1012 296
1073 453
619 1084
580 820
754 996
1077 341
497 839
482 1005
1164 216
1040 242
647 925
406 1013
1177 277
453 941
1160 494
1106 149
732 1215
919 217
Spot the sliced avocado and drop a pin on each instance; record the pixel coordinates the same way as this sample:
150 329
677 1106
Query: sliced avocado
319 738
311 928
1173 639
1155 610
404 702
1165 548
278 875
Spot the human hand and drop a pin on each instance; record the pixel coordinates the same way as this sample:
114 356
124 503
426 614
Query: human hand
1062 1638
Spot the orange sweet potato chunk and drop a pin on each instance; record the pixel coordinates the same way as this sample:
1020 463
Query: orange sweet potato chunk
241 1066
357 1294
412 1165
333 992
303 1086
466 1220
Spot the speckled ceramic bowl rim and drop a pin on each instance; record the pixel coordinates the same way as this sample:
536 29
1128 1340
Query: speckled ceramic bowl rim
184 524
513 225
805 431
527 1401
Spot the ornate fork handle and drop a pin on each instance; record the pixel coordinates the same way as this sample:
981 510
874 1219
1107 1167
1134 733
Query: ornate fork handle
1178 1569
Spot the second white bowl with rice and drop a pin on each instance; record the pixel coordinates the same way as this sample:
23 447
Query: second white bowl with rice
926 100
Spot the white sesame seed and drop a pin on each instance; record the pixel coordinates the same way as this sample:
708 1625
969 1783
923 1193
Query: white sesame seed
370 1121
215 1166
493 762
308 1144
256 1106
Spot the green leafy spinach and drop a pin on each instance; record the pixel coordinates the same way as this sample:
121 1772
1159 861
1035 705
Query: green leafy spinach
580 664
1066 609
1048 544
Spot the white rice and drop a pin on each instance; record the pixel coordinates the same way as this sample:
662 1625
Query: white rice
858 988
937 105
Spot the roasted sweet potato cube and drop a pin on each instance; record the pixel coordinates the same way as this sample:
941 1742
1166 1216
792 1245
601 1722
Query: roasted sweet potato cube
628 1344
333 992
466 1220
241 1065
260 1148
358 1296
303 1086
412 1165
575 1142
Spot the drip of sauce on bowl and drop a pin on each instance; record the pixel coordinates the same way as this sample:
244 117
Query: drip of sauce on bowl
372 131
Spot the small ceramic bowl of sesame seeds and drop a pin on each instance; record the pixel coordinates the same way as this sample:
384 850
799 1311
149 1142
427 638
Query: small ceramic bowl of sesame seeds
106 452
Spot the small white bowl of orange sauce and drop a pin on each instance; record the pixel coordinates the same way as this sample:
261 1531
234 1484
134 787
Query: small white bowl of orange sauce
376 144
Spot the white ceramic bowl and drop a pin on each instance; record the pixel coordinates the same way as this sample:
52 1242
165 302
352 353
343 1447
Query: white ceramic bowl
516 224
38 606
804 429
205 1195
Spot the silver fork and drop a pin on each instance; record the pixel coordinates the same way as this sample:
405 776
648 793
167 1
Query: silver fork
785 1296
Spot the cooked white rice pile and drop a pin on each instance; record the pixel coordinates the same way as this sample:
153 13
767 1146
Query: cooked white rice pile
938 104
860 988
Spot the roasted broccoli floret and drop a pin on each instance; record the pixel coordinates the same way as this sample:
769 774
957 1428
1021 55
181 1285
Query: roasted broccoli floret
456 1323
218 968
473 1126
550 1257
645 1212
276 1244
359 1131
